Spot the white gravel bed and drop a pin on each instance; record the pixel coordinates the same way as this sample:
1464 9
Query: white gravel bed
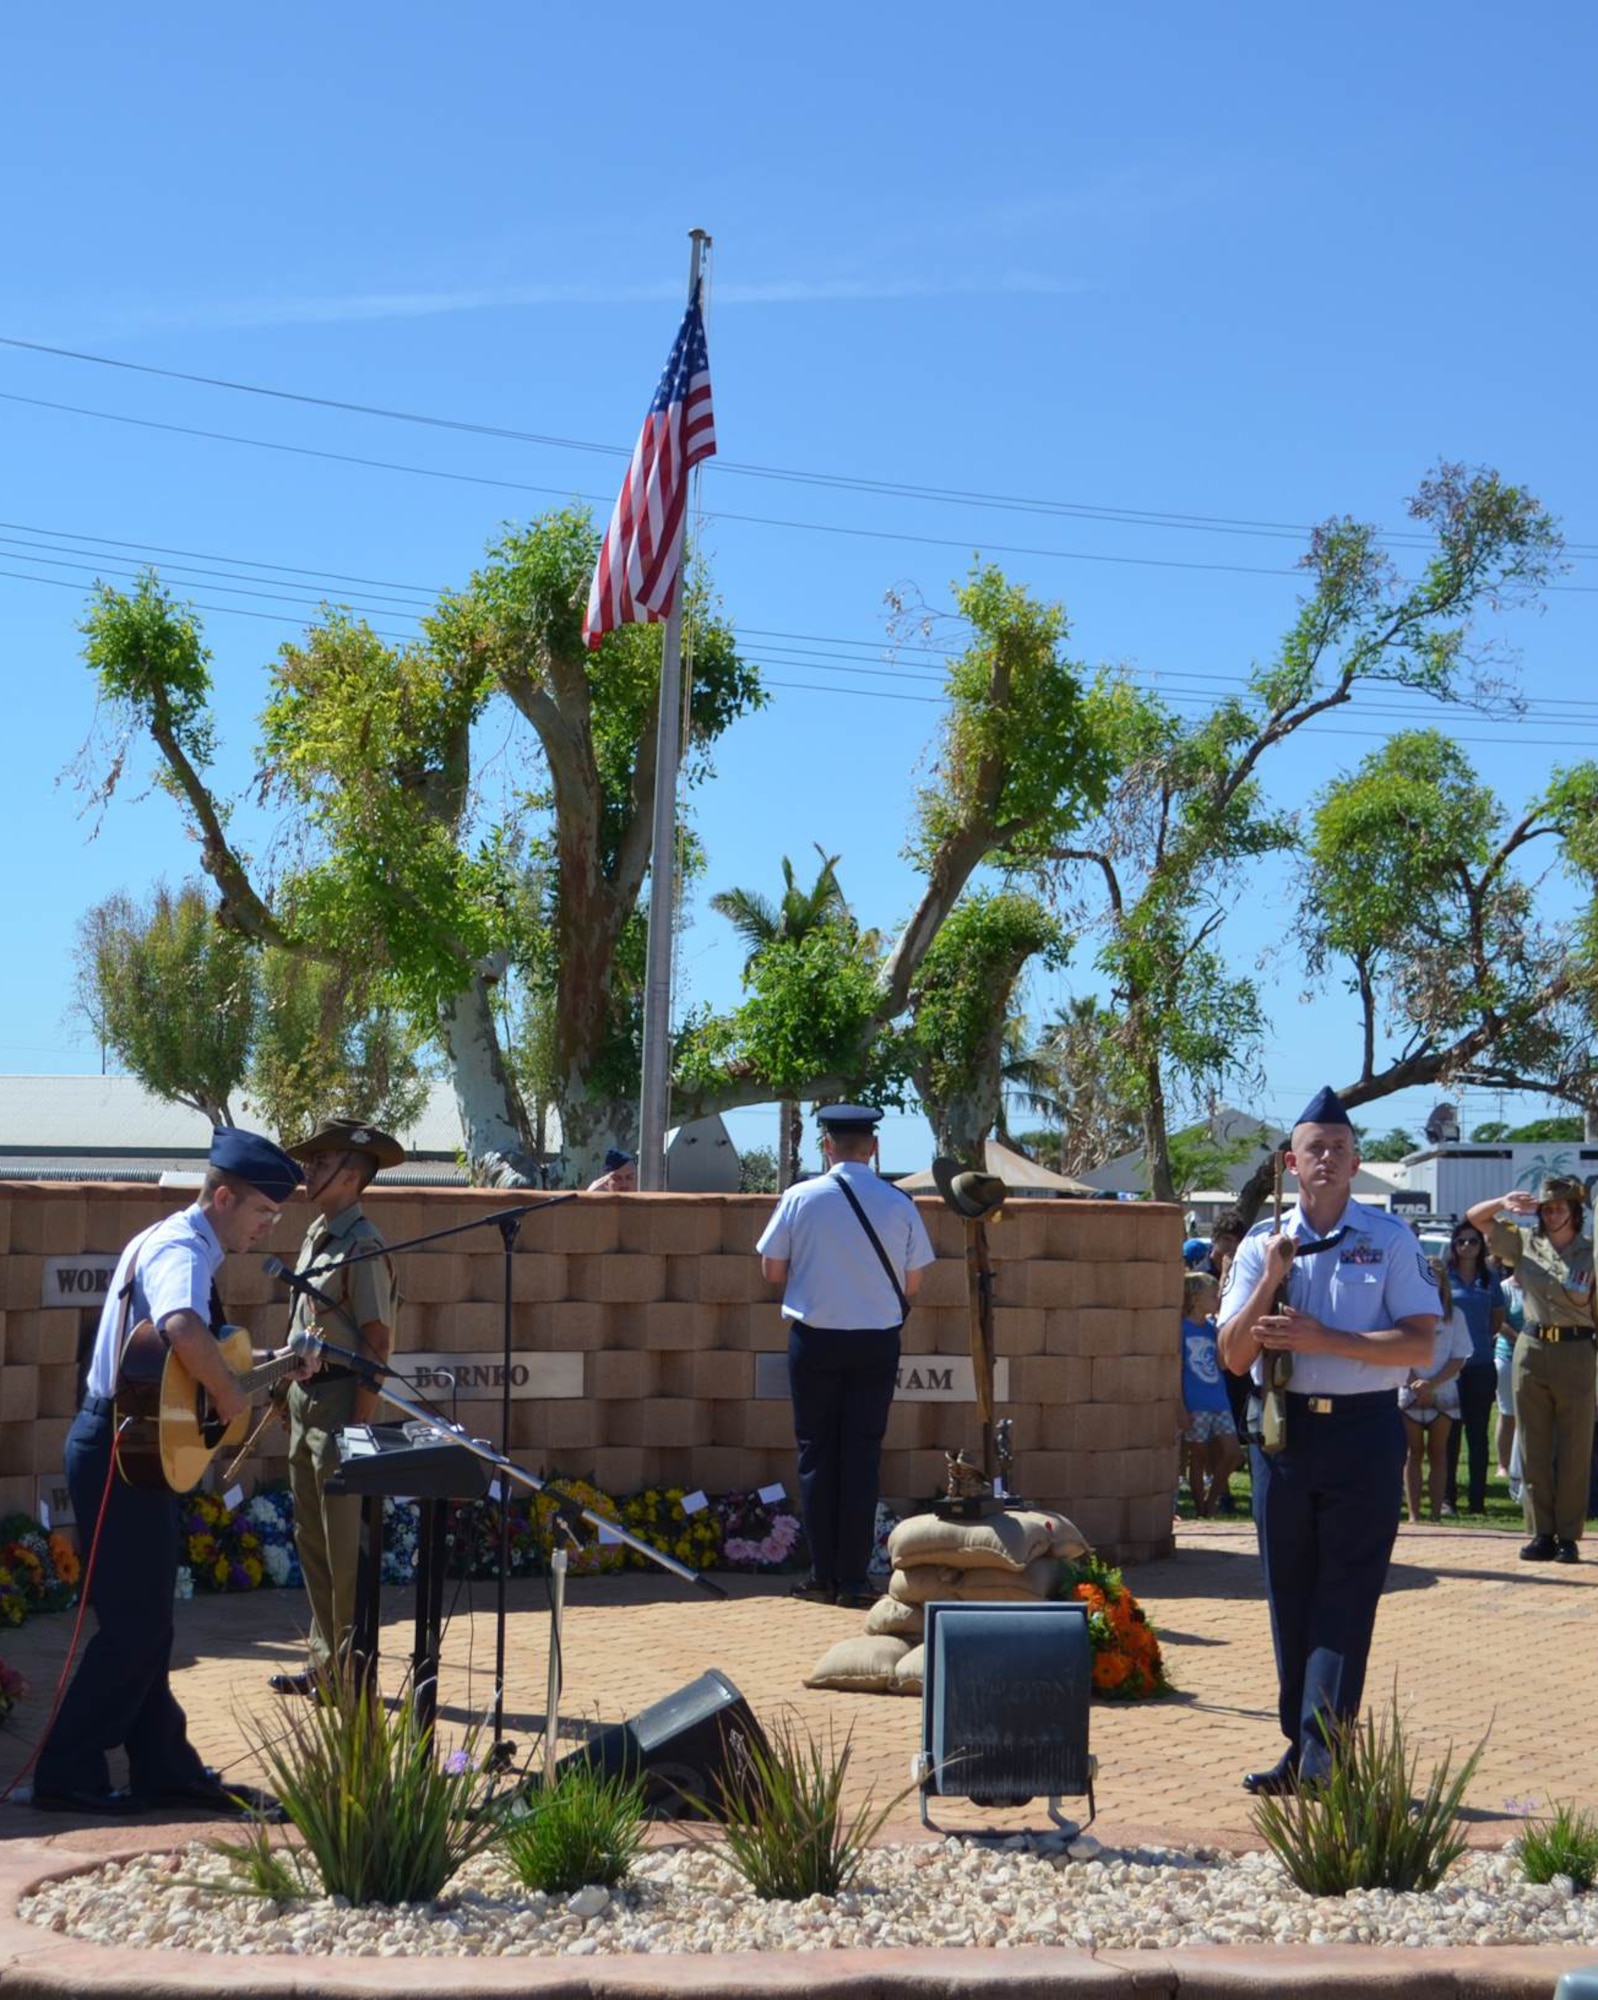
1021 1892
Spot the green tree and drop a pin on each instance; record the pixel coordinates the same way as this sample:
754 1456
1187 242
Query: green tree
331 1043
1540 1132
1077 1066
1187 814
172 993
1418 889
1395 1144
401 867
955 1044
1023 754
761 924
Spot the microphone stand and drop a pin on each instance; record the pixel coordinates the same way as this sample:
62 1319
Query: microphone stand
508 1221
381 1376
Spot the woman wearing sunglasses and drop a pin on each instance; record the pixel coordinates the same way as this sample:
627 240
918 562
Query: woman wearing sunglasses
1478 1298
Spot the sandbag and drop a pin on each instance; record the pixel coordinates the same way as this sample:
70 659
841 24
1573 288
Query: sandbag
928 1581
909 1673
1009 1540
899 1621
862 1665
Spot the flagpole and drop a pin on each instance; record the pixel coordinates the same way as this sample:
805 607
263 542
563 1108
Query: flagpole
655 1095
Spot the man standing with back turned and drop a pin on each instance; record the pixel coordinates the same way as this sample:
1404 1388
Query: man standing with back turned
848 1249
1357 1316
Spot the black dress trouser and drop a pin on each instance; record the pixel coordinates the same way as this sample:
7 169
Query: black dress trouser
1478 1398
122 1691
841 1381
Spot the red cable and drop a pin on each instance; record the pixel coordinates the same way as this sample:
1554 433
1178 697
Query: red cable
77 1627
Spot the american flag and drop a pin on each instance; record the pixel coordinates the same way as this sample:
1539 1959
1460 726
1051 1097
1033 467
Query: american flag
636 576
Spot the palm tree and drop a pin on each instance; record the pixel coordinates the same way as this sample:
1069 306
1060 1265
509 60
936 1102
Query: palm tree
761 923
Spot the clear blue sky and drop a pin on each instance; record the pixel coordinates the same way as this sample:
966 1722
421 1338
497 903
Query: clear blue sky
1244 262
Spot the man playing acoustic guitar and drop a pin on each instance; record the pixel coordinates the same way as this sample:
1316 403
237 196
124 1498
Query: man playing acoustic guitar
122 1692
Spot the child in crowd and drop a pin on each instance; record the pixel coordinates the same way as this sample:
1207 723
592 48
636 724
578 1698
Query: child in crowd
1430 1403
1213 1454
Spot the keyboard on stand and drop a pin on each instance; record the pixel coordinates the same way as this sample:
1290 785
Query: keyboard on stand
410 1462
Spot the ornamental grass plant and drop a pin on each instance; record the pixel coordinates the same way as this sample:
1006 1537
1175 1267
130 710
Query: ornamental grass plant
383 1817
1364 1826
787 1831
1566 1844
585 1829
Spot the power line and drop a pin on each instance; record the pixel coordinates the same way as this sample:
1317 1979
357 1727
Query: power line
847 482
963 542
1211 685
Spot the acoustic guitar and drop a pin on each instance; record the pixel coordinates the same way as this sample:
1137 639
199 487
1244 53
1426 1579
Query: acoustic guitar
168 1431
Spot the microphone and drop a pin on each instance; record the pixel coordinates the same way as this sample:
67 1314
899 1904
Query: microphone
304 1341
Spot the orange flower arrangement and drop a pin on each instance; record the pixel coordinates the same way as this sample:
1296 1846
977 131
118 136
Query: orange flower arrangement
1127 1664
65 1558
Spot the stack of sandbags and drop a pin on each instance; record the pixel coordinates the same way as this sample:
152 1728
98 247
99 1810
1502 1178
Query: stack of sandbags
1010 1557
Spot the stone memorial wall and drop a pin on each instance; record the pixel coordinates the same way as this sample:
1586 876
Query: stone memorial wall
647 1349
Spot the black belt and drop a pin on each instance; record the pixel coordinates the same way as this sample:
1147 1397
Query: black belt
1555 1334
338 1374
1365 1403
97 1406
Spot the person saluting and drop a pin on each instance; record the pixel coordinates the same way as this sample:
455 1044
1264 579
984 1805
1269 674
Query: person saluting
1356 1318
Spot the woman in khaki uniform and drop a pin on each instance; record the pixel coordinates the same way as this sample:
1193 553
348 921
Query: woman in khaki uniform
1556 1354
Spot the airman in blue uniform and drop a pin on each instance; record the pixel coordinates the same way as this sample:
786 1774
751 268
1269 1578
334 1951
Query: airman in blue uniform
848 1249
1356 1318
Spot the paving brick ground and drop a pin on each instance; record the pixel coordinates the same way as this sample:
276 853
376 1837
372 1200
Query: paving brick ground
1477 1642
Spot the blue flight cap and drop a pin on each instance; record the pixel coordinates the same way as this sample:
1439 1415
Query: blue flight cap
1195 1251
857 1121
251 1158
617 1158
1324 1108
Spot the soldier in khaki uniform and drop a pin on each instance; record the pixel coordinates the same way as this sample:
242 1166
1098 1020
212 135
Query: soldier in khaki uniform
1556 1354
339 1160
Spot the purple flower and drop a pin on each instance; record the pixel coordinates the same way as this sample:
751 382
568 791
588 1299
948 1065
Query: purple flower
457 1763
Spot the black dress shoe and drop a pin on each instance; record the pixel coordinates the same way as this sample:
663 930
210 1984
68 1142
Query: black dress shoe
301 1684
1567 1552
1281 1777
103 1805
857 1600
1540 1549
815 1593
209 1793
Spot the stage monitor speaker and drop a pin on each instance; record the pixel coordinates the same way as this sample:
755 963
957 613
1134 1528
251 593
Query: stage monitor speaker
680 1746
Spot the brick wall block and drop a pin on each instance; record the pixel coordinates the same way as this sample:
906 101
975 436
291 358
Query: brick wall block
1019 1232
945 1229
913 1475
1101 1520
16 1488
19 1405
58 1391
434 1277
942 1284
1019 1330
45 1442
42 1338
1051 1283
665 1225
1133 1378
617 1279
558 1428
659 1421
5 1225
623 1469
51 1227
1049 1378
571 1324
1131 1473
1155 1330
763 1426
743 1222
732 1468
537 1277
617 1375
671 1325
1106 1330
711 1374
1154 1288
729 1281
21 1281
942 1330
767 1329
1148 1522
590 1226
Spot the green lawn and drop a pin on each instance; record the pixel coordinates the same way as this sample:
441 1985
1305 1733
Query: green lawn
1501 1511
